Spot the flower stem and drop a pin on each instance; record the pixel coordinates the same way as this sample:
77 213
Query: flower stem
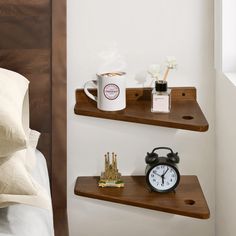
166 74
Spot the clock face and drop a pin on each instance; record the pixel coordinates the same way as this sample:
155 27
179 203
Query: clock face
163 178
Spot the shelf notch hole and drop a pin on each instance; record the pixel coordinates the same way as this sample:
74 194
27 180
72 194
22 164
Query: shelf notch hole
189 202
187 117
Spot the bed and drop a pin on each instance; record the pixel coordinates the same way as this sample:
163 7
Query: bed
33 43
22 219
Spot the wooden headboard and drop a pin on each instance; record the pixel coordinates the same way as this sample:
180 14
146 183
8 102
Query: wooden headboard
33 43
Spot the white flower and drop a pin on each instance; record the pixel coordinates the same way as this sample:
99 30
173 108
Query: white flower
155 70
171 62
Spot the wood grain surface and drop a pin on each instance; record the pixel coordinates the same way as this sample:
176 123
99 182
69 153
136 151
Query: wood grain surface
33 43
59 111
25 47
187 200
185 111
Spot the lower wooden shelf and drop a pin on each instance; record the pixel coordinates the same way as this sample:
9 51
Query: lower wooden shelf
187 200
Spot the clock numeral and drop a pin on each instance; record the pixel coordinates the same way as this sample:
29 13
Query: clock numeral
168 183
173 175
171 180
152 175
162 167
154 180
162 184
157 183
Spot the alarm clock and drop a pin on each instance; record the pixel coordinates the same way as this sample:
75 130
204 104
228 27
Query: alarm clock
162 173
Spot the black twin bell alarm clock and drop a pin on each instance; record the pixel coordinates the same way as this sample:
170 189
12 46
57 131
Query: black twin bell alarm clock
162 174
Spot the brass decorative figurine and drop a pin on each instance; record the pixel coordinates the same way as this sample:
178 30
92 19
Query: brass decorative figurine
111 177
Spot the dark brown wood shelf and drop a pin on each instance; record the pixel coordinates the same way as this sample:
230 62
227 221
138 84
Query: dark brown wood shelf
187 200
185 111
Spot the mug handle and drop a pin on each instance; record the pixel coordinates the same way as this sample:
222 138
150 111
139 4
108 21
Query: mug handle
93 82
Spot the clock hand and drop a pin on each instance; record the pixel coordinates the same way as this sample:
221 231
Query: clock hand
162 179
165 172
157 174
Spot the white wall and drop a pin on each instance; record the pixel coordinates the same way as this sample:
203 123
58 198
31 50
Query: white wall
136 34
229 35
226 161
225 58
218 34
225 35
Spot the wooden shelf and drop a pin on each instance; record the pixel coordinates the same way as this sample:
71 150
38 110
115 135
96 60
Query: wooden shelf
185 111
187 200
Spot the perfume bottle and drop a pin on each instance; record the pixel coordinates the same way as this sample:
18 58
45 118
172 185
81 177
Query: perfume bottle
161 97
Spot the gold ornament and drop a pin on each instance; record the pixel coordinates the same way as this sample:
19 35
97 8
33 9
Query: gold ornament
111 176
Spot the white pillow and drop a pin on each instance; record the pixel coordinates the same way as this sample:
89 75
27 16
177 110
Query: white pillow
32 135
13 87
17 186
26 115
30 161
14 179
41 199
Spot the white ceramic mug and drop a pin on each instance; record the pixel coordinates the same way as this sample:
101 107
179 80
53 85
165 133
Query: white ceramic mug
111 91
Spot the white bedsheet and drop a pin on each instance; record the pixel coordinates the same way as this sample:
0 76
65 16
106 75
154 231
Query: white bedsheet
22 220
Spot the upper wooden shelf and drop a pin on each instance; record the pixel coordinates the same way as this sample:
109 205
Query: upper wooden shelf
187 200
185 111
